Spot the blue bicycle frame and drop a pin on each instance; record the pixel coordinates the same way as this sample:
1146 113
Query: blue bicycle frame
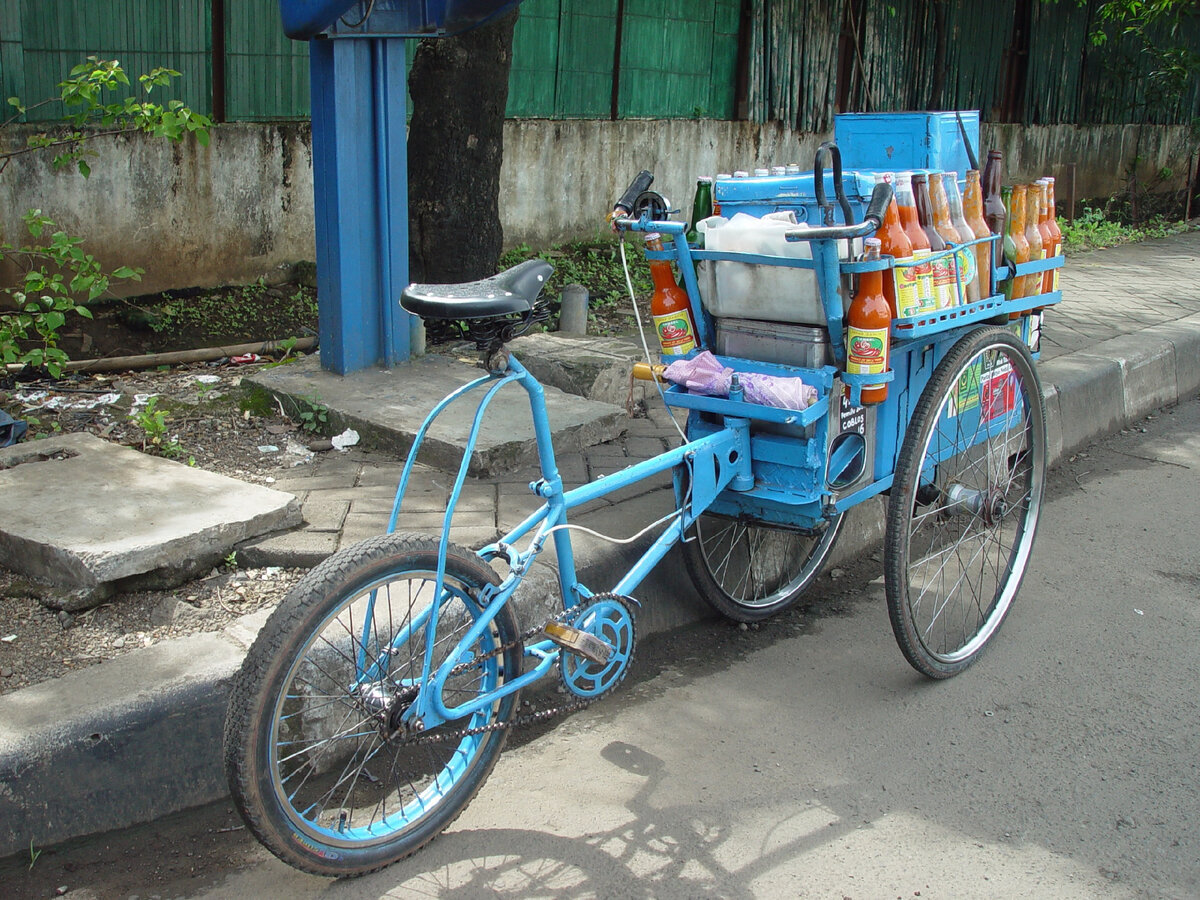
714 462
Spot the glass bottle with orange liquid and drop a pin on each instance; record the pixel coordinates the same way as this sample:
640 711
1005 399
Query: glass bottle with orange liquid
669 305
1016 245
1050 280
939 205
920 274
868 328
1033 234
973 213
899 285
968 267
942 268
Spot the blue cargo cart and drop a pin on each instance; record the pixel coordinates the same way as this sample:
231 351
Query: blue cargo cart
377 697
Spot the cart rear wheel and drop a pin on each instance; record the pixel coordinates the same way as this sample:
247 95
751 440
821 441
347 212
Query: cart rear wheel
965 502
748 571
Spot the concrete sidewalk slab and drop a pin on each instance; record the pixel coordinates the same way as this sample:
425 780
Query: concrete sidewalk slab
86 516
387 407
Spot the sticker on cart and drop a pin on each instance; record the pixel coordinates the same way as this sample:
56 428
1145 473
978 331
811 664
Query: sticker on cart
965 395
850 417
998 395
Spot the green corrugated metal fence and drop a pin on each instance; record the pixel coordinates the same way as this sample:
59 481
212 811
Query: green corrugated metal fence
266 75
49 37
802 60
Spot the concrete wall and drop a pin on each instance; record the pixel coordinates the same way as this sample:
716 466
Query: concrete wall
189 215
1101 154
242 207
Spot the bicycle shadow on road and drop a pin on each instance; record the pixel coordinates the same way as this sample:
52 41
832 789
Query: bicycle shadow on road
657 853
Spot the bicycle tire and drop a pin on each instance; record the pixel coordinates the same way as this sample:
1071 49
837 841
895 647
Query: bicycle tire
309 766
748 571
962 522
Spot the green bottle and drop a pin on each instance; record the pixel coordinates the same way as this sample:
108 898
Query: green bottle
702 208
1010 247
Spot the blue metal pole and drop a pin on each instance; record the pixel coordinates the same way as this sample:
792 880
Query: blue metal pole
359 109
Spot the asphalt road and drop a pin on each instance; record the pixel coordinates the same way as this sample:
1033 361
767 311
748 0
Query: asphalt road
805 759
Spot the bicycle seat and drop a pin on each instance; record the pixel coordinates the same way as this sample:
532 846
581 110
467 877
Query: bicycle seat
512 291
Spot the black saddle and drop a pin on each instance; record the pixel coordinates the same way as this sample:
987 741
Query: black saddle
512 292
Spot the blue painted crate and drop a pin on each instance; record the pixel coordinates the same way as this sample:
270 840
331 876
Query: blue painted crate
896 142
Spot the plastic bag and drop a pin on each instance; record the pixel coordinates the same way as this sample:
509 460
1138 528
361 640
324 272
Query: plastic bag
704 374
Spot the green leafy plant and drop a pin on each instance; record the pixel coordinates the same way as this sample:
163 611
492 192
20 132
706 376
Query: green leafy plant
1097 228
153 423
311 414
82 97
60 277
231 560
33 855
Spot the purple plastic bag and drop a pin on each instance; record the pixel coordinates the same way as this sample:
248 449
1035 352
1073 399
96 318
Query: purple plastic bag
703 374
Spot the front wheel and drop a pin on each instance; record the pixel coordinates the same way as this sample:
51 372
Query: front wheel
965 502
324 766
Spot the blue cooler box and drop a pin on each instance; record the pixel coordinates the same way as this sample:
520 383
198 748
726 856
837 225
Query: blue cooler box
758 196
897 142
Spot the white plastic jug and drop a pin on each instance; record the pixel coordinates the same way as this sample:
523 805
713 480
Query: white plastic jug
753 291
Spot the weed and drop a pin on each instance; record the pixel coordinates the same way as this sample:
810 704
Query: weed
231 560
33 855
1097 228
307 411
233 312
153 423
314 417
39 429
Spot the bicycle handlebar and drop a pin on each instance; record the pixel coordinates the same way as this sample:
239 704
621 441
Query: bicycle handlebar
881 197
643 180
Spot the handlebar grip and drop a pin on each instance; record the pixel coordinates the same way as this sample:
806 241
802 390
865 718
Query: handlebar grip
881 198
643 180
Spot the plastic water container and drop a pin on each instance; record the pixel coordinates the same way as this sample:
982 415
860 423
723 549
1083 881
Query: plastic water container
759 291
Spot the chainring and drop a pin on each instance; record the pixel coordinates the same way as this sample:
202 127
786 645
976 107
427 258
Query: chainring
610 618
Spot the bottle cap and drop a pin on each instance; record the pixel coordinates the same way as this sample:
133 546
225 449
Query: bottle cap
652 236
741 174
707 178
951 175
761 173
723 175
873 242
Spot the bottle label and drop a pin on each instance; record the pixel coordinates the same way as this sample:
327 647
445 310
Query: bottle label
967 269
675 333
908 288
866 350
944 282
1054 272
926 291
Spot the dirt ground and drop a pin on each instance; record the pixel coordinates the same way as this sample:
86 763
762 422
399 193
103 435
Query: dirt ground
196 414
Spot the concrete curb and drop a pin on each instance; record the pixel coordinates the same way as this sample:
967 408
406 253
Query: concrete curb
139 737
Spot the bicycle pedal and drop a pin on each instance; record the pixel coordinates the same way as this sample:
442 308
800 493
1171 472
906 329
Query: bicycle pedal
579 642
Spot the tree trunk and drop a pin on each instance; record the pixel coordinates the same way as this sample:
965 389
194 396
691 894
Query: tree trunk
459 89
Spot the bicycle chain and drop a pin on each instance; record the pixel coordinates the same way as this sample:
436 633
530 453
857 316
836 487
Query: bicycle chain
520 721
